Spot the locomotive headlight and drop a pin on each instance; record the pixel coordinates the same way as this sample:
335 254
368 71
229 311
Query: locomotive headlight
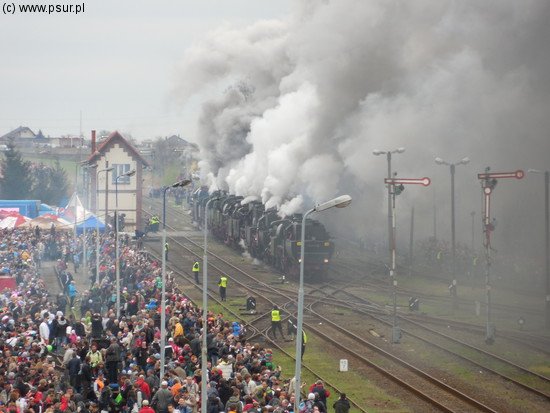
299 260
326 260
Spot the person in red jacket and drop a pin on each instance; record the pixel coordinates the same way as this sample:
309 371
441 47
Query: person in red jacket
146 408
142 385
319 388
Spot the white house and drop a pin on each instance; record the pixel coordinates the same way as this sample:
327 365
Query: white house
124 193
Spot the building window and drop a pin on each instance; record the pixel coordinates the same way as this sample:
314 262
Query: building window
119 169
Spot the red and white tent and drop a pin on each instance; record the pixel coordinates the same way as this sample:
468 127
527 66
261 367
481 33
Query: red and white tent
13 221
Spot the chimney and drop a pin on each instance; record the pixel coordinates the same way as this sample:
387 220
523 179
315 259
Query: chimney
93 142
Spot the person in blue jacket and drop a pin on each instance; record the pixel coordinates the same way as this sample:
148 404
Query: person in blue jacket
72 293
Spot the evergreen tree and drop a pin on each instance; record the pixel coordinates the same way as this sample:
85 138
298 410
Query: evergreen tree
16 181
41 182
59 184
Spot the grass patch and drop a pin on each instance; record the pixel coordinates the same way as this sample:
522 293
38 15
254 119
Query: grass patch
354 383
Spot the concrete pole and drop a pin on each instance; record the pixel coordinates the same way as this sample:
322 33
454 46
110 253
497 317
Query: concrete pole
117 252
390 226
163 293
204 358
453 238
300 316
547 251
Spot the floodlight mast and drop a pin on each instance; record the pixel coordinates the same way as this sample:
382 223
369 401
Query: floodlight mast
454 284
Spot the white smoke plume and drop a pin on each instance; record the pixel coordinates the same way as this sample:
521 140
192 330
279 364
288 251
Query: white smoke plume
308 98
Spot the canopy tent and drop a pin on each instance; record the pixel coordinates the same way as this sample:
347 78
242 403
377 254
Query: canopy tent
46 209
45 222
91 223
84 218
13 221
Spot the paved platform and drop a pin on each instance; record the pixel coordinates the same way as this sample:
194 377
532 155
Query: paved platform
47 273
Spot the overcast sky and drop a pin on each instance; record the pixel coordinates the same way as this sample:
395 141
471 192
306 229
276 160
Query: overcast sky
116 63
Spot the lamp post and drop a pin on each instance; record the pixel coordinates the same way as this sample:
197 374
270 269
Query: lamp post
547 239
391 222
452 167
117 247
106 170
339 202
204 359
86 168
163 294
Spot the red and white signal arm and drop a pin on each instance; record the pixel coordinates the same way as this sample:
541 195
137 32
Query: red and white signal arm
519 174
409 181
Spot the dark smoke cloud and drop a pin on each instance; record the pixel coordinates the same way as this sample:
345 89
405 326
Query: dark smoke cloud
335 80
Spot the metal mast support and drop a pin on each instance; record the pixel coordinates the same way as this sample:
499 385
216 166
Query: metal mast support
392 182
488 183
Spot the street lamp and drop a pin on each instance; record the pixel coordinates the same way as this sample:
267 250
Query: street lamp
117 248
204 358
547 238
86 168
163 294
452 167
106 170
391 230
339 202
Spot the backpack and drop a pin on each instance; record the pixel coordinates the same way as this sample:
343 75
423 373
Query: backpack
306 407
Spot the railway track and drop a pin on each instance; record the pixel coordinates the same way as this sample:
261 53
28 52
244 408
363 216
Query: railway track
381 284
287 303
430 336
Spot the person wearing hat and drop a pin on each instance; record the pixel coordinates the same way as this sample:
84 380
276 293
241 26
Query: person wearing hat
145 408
162 398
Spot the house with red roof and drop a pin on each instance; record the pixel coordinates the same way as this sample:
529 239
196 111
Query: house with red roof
112 190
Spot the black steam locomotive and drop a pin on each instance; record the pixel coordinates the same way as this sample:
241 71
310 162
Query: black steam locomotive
263 233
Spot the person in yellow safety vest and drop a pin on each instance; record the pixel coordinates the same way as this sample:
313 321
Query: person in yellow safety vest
154 223
196 269
166 248
222 283
276 322
304 341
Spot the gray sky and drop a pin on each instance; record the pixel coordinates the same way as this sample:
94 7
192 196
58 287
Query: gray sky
116 63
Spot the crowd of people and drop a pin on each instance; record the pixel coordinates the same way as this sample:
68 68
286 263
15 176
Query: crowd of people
70 352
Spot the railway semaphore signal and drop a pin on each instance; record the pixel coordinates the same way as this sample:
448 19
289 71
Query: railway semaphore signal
489 181
396 186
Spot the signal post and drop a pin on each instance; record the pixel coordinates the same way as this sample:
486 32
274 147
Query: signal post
489 181
396 186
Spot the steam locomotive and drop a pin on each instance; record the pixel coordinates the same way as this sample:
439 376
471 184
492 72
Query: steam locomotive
264 234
